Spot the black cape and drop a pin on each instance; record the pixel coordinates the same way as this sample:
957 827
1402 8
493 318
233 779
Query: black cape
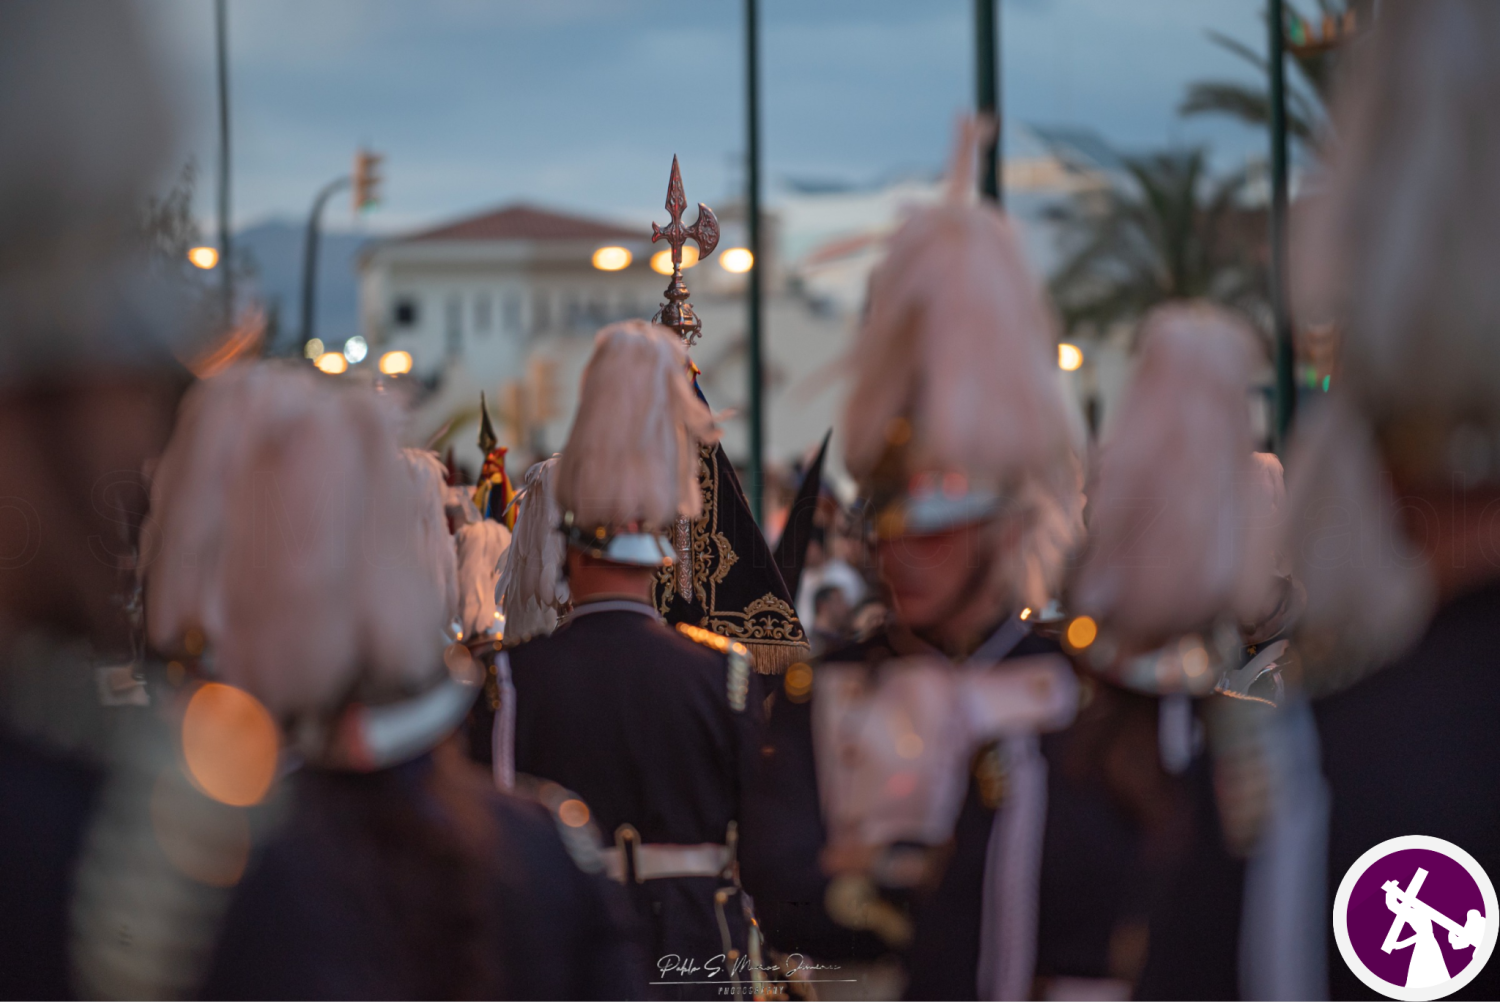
636 719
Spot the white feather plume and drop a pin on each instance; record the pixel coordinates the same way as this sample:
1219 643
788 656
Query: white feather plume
632 453
532 585
1168 515
1369 595
435 542
285 527
482 547
957 343
1403 244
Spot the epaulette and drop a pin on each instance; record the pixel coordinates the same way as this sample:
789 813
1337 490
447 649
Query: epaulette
739 661
574 820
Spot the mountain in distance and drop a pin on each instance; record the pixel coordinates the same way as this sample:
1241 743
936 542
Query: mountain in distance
275 249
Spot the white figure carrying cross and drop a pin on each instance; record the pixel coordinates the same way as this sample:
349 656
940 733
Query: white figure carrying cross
1427 964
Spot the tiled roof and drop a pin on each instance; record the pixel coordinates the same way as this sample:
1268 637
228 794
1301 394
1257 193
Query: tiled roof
527 222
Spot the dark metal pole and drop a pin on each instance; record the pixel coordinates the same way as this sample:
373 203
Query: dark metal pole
752 224
1286 388
310 257
226 257
987 91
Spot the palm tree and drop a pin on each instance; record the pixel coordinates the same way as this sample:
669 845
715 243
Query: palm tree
1313 55
1162 229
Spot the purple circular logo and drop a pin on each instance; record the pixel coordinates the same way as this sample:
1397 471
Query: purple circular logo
1416 918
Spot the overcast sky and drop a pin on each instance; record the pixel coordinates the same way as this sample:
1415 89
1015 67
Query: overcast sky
581 103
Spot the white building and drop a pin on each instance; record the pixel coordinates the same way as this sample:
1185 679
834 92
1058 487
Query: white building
480 291
508 303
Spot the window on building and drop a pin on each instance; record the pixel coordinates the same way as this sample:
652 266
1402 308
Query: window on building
454 328
541 312
483 313
512 313
404 312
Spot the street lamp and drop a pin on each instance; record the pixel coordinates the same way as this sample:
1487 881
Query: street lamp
204 257
395 363
612 258
736 260
332 362
661 261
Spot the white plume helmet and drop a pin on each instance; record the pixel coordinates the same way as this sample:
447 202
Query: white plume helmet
632 455
1368 594
955 377
435 542
958 345
1169 516
285 527
1403 243
482 547
532 587
1401 250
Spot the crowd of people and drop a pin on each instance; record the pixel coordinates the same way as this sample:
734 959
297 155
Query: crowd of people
288 712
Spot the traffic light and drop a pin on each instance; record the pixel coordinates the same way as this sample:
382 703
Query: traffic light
367 179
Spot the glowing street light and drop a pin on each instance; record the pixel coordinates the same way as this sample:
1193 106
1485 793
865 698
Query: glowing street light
736 260
355 350
612 258
332 362
1069 357
313 349
661 261
204 257
396 363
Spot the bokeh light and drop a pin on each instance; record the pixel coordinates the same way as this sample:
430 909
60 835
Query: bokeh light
798 682
355 349
229 744
661 261
204 257
573 813
395 363
1081 632
1069 357
313 348
612 258
737 260
332 362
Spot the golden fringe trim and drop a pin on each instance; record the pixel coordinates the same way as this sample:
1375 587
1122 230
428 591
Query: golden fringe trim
774 659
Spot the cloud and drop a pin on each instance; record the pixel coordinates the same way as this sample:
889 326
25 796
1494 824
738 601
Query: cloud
582 102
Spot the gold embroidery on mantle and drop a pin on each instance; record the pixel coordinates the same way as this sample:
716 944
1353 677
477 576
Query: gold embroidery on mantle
768 626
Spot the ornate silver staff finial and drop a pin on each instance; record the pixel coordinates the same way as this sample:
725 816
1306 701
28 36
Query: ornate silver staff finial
677 313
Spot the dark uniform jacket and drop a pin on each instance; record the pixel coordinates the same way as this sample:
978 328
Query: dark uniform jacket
46 801
623 710
1412 750
420 881
1092 885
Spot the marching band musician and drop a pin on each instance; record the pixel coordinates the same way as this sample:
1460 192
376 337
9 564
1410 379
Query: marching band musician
88 383
1192 603
650 728
904 794
389 866
1396 481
